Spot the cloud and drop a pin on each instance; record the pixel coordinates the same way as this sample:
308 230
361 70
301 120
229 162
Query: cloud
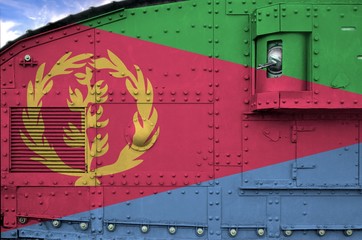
53 11
7 31
16 5
35 14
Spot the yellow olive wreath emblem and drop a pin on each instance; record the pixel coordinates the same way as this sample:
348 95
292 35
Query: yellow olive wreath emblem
144 119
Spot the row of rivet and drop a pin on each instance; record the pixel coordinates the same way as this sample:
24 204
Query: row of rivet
283 101
260 232
111 227
122 182
230 3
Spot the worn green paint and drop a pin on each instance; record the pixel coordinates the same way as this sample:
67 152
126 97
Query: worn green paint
234 30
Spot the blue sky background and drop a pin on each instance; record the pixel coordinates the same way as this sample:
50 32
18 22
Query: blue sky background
17 16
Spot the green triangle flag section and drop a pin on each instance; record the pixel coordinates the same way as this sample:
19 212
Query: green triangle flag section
240 32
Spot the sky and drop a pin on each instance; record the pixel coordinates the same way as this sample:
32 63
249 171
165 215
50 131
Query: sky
18 16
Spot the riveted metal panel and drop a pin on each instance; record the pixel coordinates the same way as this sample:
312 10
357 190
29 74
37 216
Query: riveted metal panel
157 208
321 212
42 202
186 25
265 100
5 141
109 17
266 20
234 7
214 213
236 49
7 74
212 97
51 50
273 216
265 143
9 206
68 231
97 204
185 140
184 207
231 94
245 212
336 68
66 32
228 106
174 76
237 7
296 99
295 18
337 169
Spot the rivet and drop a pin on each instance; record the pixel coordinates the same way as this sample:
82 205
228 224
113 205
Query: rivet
56 223
199 231
348 232
233 232
83 226
260 232
111 227
321 232
172 230
22 220
144 229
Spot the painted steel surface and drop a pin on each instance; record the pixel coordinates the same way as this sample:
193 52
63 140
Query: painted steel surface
157 122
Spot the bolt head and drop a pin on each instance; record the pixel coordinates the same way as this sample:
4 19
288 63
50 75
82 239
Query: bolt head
56 223
199 231
83 226
348 232
288 233
321 232
233 232
27 57
144 229
172 230
260 232
22 220
111 227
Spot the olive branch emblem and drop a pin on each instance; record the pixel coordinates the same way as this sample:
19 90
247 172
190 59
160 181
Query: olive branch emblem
144 118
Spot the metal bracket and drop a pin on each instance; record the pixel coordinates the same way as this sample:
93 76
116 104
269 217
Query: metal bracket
302 166
30 63
296 129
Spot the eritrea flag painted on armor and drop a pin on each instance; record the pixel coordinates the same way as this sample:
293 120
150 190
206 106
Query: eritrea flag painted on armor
200 119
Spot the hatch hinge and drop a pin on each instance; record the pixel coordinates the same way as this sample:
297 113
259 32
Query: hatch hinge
297 166
296 129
